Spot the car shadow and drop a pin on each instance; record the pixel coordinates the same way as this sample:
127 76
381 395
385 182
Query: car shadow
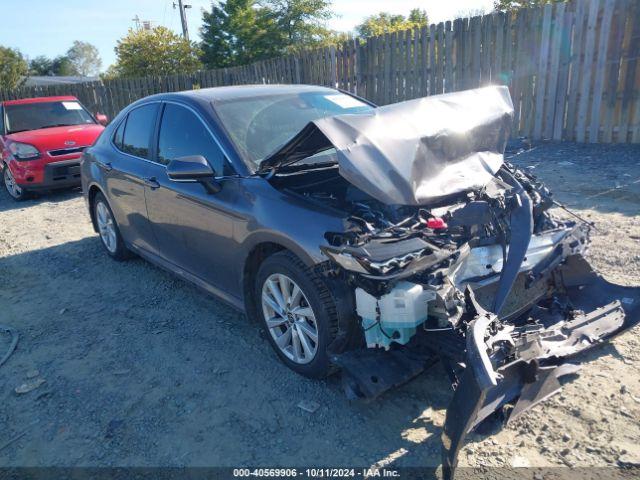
7 203
142 368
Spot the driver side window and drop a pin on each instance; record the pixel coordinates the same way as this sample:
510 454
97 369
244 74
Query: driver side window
183 134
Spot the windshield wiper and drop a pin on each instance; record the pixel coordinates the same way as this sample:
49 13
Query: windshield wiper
59 125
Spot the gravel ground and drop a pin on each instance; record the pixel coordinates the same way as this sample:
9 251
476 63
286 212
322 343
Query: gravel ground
142 369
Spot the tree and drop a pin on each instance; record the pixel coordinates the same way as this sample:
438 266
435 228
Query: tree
85 58
385 22
61 66
418 18
41 65
13 68
509 5
158 51
236 32
300 23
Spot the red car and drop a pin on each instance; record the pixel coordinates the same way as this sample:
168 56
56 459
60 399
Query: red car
42 140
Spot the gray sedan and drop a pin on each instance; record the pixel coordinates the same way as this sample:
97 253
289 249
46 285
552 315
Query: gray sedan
368 240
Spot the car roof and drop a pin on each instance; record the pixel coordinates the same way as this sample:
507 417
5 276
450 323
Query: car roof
246 91
64 98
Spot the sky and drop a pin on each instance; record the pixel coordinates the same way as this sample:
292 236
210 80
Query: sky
49 27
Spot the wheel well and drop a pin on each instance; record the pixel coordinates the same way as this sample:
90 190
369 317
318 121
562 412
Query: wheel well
93 191
257 255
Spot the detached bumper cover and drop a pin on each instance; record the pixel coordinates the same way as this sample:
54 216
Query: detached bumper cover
538 354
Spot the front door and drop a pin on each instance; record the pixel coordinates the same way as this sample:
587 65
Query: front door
193 228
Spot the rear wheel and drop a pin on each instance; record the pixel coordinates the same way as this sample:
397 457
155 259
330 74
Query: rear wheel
108 229
297 312
13 189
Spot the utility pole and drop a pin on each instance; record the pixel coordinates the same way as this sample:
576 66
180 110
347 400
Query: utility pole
183 18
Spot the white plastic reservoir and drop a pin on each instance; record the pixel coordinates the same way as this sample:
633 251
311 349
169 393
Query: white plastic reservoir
400 312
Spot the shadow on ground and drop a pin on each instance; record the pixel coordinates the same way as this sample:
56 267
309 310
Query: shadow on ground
142 369
7 203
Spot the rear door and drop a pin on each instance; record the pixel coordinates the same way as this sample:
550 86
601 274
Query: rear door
126 171
193 228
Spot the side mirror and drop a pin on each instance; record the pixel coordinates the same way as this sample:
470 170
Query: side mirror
194 168
102 118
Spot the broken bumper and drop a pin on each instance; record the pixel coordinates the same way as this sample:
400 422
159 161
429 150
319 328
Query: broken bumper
534 358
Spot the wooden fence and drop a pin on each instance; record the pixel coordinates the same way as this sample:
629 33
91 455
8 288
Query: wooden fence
572 69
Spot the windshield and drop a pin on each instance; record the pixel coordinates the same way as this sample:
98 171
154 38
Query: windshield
260 125
33 116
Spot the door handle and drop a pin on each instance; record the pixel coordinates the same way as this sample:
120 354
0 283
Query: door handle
105 166
152 183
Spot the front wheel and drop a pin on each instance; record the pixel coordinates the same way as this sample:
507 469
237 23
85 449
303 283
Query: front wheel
13 189
297 312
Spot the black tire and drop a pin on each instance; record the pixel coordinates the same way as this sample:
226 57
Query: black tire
118 251
17 196
319 299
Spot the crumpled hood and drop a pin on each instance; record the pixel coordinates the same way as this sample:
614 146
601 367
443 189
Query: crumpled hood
415 152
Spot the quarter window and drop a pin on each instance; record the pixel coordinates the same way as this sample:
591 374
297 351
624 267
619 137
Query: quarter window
118 136
137 132
183 134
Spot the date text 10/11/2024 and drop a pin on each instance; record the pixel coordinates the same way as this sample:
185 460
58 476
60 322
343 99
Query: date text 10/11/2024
316 472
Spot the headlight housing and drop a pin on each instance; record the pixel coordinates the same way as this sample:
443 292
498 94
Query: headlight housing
23 151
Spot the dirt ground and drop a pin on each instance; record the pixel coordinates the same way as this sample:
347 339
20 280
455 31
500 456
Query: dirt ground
142 369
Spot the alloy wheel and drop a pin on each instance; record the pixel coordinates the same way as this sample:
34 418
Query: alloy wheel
106 227
290 318
12 187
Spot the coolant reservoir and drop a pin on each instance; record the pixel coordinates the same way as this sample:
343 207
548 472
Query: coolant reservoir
393 317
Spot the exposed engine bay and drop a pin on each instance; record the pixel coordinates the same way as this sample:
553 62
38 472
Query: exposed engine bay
487 280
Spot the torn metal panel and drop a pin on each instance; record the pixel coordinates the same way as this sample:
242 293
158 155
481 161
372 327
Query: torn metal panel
528 368
414 152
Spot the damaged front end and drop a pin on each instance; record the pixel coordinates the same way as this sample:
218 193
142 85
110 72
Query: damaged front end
498 289
453 256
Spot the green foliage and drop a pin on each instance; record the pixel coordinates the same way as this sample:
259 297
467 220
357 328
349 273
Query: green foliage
85 58
334 38
81 59
158 51
110 73
62 66
237 32
509 5
385 22
41 65
13 68
300 23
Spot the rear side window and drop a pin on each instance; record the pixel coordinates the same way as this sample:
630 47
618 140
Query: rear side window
1 120
137 132
183 134
119 135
